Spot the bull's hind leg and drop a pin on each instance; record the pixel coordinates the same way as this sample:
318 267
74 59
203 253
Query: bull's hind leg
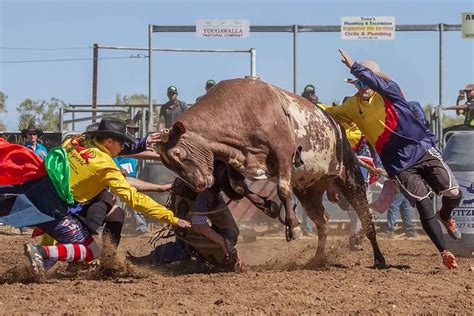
284 193
312 201
356 195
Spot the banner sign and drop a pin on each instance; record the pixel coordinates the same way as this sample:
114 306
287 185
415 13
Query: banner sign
222 28
368 28
467 25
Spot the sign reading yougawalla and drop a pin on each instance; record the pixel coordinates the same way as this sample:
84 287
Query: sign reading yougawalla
222 28
467 25
368 28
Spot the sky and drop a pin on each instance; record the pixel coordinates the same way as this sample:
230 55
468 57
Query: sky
33 30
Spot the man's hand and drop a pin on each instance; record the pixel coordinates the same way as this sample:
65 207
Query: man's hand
183 223
153 139
164 187
346 59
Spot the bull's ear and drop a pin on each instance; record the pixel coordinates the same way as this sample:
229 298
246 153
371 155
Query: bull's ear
179 126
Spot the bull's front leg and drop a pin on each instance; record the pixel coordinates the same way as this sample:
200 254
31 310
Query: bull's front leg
293 227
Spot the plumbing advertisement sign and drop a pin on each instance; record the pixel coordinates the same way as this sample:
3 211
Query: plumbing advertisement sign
467 25
368 27
222 28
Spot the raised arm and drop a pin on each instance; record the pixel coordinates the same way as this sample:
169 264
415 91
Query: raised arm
384 86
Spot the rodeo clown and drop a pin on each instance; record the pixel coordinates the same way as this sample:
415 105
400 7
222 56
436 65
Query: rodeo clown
406 148
50 195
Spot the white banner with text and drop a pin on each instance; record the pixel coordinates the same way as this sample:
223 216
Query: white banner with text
222 28
368 28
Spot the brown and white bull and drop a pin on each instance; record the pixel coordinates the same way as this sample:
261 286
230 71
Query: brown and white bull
263 132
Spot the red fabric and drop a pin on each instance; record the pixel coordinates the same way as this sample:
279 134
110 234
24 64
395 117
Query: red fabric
77 252
37 232
62 252
19 164
391 122
373 177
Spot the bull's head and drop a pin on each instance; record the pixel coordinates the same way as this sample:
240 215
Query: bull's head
189 155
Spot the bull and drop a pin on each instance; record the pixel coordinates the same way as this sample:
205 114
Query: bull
263 132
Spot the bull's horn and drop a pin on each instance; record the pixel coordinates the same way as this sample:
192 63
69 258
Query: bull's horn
165 135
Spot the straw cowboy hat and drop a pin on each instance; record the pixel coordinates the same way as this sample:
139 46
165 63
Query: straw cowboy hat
112 127
372 65
31 129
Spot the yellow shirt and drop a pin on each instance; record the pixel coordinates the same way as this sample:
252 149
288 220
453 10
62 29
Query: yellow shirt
369 115
92 170
353 132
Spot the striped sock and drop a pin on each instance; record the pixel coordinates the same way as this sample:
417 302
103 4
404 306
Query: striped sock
70 252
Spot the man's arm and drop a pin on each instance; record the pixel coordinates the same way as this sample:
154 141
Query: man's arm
141 185
211 234
147 155
139 201
387 88
343 112
136 147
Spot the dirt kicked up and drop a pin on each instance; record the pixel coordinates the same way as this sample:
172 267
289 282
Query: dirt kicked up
280 278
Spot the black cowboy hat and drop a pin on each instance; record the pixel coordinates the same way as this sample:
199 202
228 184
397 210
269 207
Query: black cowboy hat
111 127
31 129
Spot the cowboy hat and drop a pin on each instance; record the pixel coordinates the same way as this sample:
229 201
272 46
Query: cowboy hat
372 65
111 127
31 129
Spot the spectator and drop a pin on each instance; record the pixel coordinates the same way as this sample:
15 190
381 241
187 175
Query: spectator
466 109
32 134
172 109
309 93
209 84
400 203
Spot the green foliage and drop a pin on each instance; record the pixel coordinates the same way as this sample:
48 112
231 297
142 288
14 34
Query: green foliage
3 99
44 114
134 99
448 118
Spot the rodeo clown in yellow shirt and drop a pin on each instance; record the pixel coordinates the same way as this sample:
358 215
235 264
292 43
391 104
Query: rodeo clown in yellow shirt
90 169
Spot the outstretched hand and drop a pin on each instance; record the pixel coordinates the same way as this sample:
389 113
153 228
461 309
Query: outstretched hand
346 59
164 187
153 138
183 223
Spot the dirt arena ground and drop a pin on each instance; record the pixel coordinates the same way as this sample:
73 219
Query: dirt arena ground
280 279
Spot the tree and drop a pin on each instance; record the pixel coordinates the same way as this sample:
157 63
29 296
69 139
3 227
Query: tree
3 99
447 119
44 114
134 99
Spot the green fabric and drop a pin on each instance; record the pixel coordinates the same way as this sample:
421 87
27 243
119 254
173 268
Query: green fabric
57 167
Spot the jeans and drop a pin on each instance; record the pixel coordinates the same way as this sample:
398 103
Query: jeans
140 222
400 203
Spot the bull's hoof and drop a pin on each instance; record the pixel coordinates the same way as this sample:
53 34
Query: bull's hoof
380 264
296 232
